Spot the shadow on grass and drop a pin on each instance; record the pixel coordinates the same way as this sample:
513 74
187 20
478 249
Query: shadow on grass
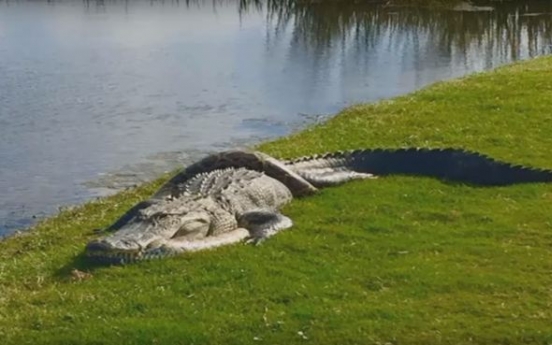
80 267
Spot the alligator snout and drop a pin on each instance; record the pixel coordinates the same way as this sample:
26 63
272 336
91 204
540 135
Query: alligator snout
103 251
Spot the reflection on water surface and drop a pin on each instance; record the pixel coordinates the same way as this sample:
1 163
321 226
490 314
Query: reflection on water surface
97 94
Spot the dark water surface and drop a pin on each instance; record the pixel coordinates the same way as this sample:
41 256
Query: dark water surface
96 95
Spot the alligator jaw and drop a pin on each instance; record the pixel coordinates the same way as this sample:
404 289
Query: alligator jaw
102 252
139 240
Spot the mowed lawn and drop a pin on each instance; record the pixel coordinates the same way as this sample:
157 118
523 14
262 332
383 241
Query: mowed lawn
398 260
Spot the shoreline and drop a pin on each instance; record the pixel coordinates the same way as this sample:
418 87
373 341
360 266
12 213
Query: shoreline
391 260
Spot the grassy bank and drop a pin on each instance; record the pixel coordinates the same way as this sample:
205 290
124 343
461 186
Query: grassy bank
401 260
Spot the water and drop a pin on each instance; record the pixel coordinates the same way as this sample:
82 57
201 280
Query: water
96 96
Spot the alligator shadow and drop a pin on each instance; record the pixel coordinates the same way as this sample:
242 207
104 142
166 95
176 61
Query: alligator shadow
79 268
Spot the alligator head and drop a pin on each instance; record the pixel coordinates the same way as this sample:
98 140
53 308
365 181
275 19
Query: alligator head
156 232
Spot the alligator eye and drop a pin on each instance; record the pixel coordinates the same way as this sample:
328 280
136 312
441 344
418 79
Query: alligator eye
159 215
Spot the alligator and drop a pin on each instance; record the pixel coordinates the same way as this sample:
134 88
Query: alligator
235 196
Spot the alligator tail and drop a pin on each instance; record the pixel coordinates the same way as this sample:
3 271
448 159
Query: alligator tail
449 164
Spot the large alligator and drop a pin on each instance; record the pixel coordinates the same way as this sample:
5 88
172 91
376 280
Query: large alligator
235 195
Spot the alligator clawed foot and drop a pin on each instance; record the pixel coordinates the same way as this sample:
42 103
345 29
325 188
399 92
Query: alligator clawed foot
256 241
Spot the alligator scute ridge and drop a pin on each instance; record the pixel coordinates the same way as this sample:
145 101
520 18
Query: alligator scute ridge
234 196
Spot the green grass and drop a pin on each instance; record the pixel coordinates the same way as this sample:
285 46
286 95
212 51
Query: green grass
400 260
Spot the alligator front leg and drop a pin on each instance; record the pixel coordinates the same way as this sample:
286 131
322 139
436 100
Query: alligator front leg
263 224
181 246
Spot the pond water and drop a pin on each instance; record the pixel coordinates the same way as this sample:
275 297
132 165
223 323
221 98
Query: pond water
99 95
